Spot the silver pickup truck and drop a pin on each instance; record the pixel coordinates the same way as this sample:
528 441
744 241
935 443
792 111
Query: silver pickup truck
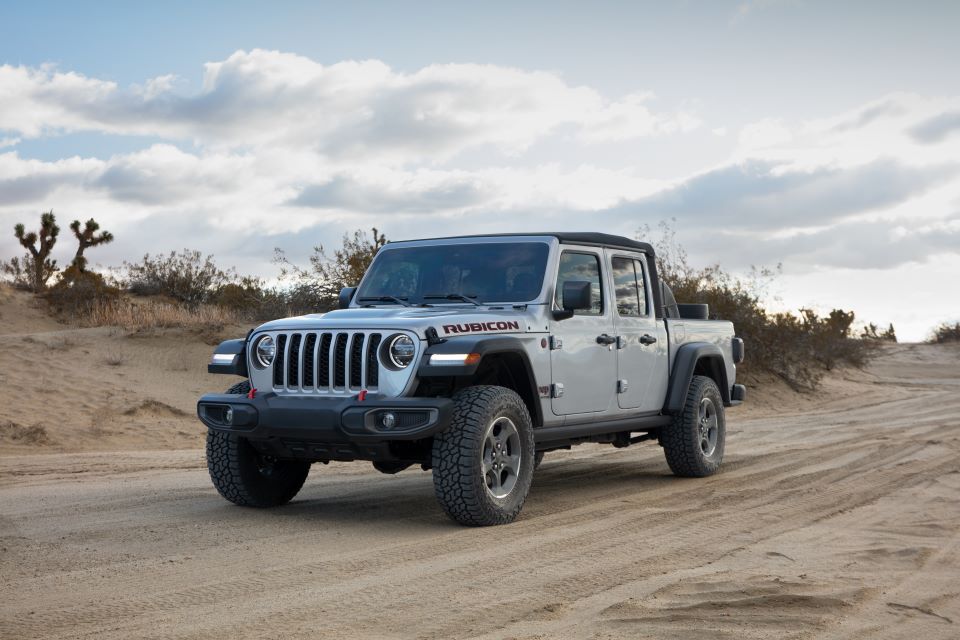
472 357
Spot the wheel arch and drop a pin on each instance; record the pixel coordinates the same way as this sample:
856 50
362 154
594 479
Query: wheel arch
503 362
696 358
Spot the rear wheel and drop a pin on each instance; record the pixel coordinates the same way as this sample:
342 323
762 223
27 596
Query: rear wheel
694 443
245 476
483 463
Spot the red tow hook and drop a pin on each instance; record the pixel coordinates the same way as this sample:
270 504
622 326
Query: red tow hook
251 393
362 395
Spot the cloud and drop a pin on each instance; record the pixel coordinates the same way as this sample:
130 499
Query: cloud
862 244
415 193
163 174
766 195
34 181
351 109
937 128
886 108
276 149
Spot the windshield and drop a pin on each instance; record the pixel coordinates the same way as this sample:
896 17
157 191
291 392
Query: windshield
483 272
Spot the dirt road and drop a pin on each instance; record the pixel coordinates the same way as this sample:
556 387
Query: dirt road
842 520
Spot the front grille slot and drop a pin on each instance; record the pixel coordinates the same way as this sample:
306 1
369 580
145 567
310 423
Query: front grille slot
356 361
336 362
340 361
323 364
278 369
293 362
373 362
309 361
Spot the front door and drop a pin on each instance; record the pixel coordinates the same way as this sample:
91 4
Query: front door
639 346
583 368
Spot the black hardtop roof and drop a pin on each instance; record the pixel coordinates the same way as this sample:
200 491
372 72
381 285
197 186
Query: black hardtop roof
582 237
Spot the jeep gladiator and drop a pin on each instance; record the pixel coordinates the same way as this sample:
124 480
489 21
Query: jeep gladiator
472 357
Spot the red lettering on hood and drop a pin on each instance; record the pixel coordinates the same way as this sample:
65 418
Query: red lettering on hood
473 327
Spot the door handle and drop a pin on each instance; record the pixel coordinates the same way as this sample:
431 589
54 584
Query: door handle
605 339
647 339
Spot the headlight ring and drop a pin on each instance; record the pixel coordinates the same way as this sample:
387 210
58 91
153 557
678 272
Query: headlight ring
264 352
400 351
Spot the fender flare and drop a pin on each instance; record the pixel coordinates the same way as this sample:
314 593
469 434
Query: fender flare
486 346
684 365
237 365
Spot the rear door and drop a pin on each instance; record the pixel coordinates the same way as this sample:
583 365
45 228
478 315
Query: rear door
641 348
583 369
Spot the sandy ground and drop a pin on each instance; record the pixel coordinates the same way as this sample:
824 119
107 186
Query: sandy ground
835 516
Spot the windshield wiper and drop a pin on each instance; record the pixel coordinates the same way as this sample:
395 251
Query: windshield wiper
452 296
394 299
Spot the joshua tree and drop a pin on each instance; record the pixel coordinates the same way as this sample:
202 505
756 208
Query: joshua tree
87 238
38 264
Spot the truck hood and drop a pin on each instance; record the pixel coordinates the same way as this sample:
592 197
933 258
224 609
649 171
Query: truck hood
448 321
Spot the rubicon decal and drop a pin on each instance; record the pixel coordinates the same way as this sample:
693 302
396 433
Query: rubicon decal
476 327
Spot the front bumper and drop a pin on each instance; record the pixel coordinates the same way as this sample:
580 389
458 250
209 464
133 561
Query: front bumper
344 420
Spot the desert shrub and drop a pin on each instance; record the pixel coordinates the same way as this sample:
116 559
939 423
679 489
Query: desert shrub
186 277
946 332
797 347
317 286
77 293
139 315
17 272
873 332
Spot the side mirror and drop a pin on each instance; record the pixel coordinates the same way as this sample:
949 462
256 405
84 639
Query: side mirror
576 295
346 295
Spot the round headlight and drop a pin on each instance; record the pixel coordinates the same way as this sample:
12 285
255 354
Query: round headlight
264 352
401 351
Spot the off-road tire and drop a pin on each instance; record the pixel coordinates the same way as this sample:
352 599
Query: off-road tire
458 477
537 459
682 441
245 477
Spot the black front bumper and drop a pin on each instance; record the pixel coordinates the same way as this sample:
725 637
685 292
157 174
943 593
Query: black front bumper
325 427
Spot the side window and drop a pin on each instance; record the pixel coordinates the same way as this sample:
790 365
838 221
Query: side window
641 287
625 287
584 267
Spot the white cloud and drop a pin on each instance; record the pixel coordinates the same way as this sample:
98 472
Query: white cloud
352 109
276 149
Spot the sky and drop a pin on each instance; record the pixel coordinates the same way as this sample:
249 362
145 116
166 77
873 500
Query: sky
823 137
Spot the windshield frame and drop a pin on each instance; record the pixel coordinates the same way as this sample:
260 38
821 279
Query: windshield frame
420 301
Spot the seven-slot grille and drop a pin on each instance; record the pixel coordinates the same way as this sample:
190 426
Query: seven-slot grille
327 361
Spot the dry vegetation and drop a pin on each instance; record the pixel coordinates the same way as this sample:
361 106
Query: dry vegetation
946 332
797 348
188 290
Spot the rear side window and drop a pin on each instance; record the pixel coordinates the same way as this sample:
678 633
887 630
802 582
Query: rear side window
625 287
641 286
582 267
629 286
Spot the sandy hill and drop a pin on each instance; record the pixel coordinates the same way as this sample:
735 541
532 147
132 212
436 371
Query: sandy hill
104 388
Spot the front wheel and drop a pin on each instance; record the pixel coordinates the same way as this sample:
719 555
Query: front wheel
483 463
248 478
694 443
245 476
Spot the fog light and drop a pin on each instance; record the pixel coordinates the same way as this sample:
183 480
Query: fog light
228 415
388 420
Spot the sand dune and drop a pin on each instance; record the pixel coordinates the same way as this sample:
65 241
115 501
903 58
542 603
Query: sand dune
836 516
